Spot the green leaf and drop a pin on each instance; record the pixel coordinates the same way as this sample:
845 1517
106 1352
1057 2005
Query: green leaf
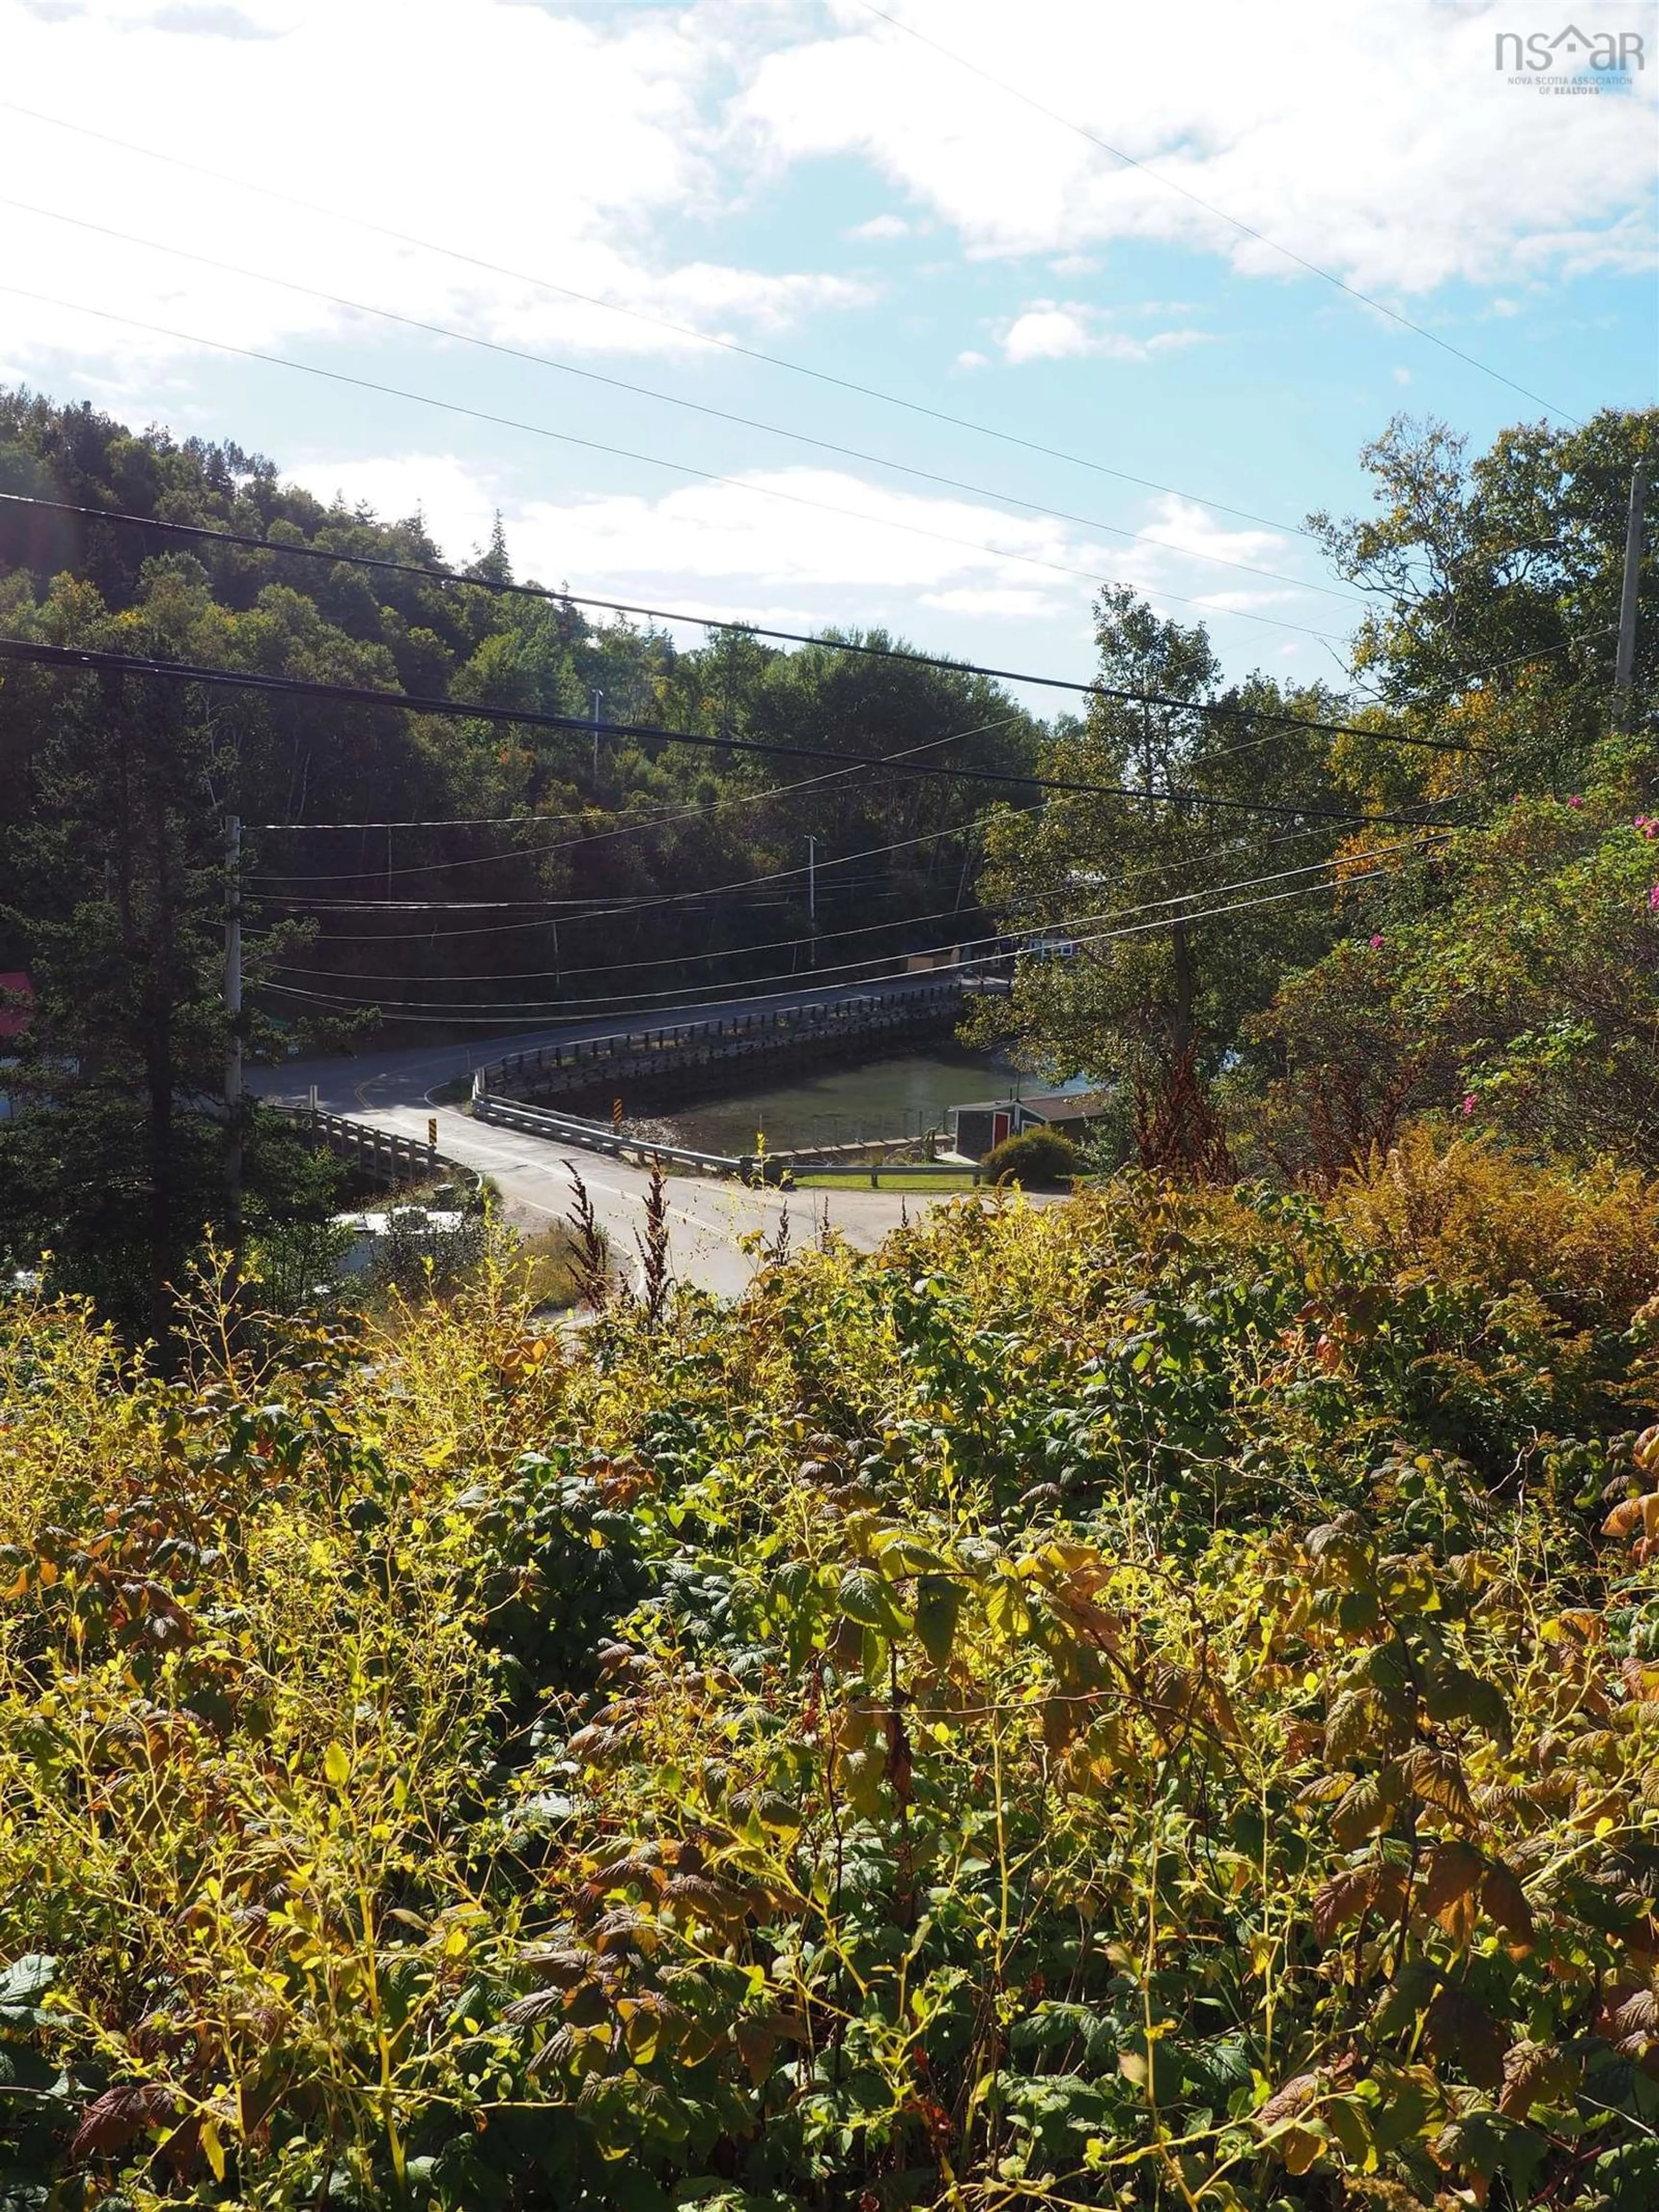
24 1981
866 1598
1005 1609
860 1775
938 1606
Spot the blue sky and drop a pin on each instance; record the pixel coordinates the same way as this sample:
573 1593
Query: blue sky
816 182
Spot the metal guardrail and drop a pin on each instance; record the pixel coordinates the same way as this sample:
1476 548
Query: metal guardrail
596 1136
681 1047
382 1153
600 1137
885 1171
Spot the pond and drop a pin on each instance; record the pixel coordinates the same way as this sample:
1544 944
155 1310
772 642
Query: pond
903 1097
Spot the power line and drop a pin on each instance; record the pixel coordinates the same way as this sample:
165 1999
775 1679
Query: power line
641 315
1170 184
616 967
628 903
786 943
584 844
673 400
632 453
525 1009
88 658
543 591
1515 660
530 922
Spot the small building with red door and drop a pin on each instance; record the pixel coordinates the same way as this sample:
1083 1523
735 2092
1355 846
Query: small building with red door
972 1130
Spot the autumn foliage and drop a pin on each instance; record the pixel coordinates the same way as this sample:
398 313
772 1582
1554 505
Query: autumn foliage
1148 1702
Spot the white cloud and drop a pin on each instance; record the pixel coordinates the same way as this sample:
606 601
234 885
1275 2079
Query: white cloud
201 19
971 359
1046 333
585 146
1402 375
554 146
1049 330
457 500
806 546
1377 139
1009 604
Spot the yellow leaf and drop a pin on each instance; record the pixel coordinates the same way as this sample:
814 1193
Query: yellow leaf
337 1764
1298 2147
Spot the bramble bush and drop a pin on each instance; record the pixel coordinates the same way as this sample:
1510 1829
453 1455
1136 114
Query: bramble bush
1151 1701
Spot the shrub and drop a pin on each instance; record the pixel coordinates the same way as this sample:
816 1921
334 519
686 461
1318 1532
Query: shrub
1465 1210
1132 1705
1040 1158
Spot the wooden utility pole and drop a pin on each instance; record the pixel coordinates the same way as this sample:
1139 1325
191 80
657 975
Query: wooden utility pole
1623 673
234 1034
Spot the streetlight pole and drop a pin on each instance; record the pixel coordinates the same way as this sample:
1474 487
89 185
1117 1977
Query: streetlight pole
599 697
811 901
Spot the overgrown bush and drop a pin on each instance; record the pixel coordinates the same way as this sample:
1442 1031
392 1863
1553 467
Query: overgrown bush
1461 1209
1152 1702
1037 1158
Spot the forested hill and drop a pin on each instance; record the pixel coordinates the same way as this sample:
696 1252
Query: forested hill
722 835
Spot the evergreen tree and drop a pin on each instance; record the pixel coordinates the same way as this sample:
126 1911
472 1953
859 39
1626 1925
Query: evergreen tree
117 1158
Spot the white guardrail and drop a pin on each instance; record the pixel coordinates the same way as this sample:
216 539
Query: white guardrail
596 1136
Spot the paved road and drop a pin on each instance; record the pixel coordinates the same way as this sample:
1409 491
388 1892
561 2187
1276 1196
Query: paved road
708 1217
403 1075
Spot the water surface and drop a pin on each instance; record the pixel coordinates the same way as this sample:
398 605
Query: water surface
903 1097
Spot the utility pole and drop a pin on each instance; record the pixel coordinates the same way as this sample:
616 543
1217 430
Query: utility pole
813 901
598 697
1624 672
233 1037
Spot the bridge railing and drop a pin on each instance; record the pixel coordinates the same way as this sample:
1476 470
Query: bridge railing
383 1153
596 1136
725 1036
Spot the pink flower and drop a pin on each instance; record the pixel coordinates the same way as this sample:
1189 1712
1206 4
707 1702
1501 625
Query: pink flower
1376 945
1575 800
1653 899
1468 1102
1647 826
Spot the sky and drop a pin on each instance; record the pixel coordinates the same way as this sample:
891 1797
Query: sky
1013 301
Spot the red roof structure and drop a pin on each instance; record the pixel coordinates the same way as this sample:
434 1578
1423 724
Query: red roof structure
14 1018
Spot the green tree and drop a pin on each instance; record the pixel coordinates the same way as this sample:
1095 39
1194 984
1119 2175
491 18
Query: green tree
1508 976
1496 583
1511 981
116 1161
1123 973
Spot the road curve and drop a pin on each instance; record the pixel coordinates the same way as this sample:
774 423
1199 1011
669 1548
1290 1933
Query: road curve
709 1220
